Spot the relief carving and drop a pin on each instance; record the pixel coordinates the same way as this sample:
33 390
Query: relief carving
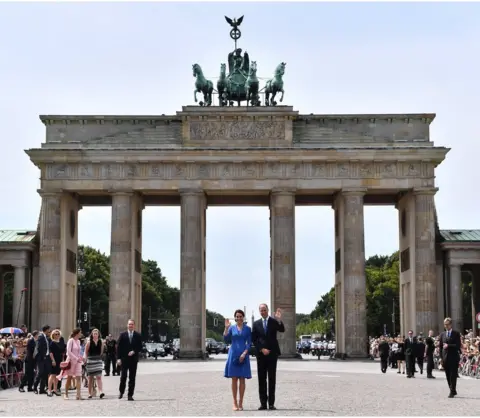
226 170
204 171
343 170
319 170
157 170
388 170
366 170
412 170
295 170
85 171
131 170
107 171
61 171
273 170
249 170
241 170
179 171
236 130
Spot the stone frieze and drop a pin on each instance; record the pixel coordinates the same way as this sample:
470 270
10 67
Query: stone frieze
238 170
236 130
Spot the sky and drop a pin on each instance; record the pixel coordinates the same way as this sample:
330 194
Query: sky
136 58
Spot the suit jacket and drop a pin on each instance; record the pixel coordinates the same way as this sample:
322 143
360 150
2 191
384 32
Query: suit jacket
430 342
411 347
41 346
269 340
31 343
124 346
451 355
384 349
420 350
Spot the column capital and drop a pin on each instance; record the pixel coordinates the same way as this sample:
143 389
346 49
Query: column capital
50 193
18 266
455 264
126 192
283 191
425 191
354 191
191 192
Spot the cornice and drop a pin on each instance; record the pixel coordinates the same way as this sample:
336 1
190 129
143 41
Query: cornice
427 155
191 112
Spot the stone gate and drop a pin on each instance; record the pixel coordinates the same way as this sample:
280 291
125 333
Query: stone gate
271 156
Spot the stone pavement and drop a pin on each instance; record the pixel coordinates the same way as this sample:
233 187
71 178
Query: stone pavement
309 388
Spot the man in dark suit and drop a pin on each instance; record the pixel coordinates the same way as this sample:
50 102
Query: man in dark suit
429 350
42 360
28 377
129 346
384 351
420 354
410 354
264 338
110 355
450 347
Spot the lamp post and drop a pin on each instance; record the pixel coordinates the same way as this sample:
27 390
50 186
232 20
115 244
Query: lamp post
325 329
332 327
80 276
20 304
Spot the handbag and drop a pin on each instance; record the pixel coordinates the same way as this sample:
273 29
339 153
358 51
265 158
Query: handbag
65 364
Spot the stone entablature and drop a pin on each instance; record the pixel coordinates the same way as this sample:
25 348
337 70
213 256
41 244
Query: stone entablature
222 174
238 127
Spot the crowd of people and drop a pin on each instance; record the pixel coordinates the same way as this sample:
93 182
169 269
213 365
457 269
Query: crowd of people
446 351
470 354
40 361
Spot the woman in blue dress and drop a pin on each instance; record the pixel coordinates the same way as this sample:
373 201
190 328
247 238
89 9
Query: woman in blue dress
238 362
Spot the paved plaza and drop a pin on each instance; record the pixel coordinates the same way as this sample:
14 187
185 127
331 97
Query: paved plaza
309 387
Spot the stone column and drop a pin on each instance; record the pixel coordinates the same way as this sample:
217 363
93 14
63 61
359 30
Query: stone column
192 275
475 297
282 242
2 295
121 263
19 297
354 274
456 305
50 260
425 262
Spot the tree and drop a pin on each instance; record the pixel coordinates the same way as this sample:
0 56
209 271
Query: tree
160 302
382 279
325 306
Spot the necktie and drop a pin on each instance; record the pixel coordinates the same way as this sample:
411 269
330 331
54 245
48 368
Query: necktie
130 337
448 334
265 325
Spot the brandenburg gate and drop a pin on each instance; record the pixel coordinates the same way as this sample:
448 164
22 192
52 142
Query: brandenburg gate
268 155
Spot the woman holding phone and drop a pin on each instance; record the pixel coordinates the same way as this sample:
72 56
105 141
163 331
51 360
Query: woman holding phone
238 361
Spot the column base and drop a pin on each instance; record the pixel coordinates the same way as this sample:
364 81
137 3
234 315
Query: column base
193 355
354 356
296 356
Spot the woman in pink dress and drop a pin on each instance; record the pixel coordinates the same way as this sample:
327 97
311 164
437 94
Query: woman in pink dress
75 359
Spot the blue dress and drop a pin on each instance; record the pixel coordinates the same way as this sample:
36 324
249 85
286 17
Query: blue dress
241 341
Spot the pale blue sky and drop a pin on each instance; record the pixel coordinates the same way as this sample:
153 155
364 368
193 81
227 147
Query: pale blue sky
341 58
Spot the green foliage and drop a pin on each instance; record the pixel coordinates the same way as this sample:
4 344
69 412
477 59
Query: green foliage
160 302
382 275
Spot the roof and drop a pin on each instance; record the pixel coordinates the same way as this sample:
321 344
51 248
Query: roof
460 235
16 236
